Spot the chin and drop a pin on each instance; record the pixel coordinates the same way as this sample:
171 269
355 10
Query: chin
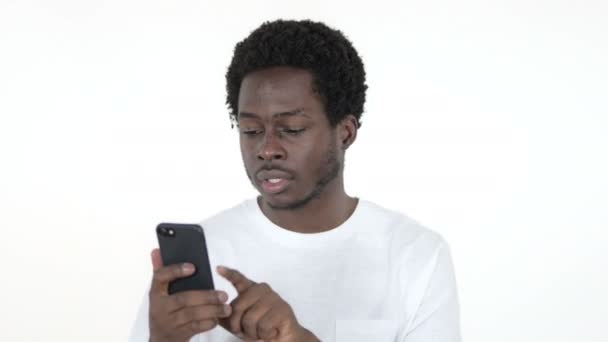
277 201
283 201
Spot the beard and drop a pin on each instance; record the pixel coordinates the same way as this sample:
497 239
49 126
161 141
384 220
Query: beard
328 170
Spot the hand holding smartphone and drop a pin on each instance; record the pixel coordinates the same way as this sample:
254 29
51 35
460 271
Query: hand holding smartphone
180 243
183 301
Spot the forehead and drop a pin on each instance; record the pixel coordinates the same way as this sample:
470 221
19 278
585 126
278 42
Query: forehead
278 89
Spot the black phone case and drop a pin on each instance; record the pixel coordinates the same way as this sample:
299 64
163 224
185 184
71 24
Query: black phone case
187 244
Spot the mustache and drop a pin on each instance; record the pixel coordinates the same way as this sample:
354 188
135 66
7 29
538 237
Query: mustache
271 167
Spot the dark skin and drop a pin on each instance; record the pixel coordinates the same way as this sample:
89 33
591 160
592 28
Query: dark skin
270 139
283 128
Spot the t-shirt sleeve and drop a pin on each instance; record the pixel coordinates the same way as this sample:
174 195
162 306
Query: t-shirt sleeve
140 331
436 317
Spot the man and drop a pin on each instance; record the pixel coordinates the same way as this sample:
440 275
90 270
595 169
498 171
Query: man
305 261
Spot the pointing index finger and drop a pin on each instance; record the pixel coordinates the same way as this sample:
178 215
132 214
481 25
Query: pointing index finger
240 282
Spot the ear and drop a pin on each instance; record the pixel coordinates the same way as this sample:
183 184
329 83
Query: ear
347 131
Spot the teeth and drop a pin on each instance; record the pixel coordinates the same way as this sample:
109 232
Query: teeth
274 180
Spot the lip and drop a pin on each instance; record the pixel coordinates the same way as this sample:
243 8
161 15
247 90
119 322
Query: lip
265 175
275 188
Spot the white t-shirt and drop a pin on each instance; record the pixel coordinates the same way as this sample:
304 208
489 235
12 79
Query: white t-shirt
379 276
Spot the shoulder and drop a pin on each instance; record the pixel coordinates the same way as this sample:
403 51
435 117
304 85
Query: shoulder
228 220
405 233
422 255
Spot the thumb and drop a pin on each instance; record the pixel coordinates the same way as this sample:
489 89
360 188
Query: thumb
157 260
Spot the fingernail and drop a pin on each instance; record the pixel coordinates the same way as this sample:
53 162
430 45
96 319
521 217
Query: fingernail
227 309
222 297
240 335
187 268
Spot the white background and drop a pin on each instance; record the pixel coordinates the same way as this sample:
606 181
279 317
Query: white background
486 121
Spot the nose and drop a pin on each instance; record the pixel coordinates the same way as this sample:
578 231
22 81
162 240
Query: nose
271 148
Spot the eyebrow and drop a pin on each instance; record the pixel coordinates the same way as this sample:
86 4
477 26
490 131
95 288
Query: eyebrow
294 112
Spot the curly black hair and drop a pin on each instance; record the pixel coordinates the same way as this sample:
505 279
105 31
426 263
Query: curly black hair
337 69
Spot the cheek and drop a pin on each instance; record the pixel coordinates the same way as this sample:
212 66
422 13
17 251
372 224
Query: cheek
310 158
246 149
246 155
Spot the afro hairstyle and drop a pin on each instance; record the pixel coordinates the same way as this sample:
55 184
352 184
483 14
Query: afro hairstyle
337 69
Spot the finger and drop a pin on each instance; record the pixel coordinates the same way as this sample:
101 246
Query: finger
200 313
240 282
238 311
186 331
242 303
268 325
193 298
250 322
164 275
157 260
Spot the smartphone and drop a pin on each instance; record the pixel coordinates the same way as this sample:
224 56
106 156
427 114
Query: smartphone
181 243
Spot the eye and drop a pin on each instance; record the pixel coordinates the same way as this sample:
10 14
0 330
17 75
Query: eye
251 131
293 131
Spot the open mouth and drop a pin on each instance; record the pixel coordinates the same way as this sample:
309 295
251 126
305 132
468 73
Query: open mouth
274 185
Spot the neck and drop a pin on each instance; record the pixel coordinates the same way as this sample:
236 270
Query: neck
323 213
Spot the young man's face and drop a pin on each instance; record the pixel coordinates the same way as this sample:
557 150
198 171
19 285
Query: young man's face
288 147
